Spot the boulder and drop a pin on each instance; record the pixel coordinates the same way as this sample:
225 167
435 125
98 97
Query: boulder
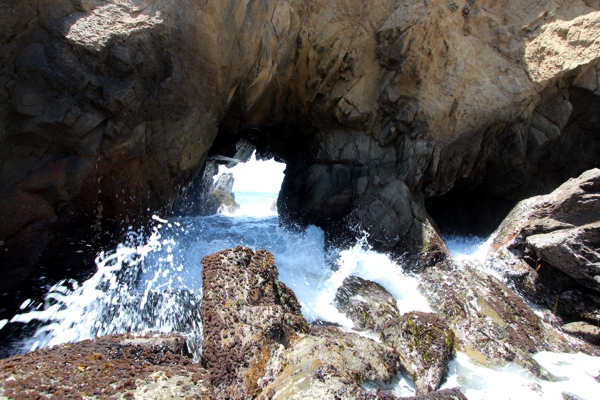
366 303
248 316
226 200
425 345
152 367
547 248
329 363
572 251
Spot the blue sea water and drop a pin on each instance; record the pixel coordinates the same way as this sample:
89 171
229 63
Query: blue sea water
154 284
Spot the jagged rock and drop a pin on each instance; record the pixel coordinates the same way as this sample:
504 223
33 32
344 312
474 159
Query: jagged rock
588 332
274 206
328 363
110 109
572 251
247 315
426 346
225 182
226 201
547 247
123 366
491 323
366 303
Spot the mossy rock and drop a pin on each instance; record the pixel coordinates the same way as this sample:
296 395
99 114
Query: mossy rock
366 303
426 346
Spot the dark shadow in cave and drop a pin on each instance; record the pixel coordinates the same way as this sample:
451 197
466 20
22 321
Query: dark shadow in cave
468 213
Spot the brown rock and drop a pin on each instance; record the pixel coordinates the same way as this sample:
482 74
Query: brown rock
329 363
366 303
572 251
491 323
247 316
588 332
150 366
426 346
547 246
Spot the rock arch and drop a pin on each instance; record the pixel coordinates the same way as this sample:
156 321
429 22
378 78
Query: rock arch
109 109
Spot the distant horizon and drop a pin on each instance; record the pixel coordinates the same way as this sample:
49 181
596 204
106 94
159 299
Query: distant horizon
256 176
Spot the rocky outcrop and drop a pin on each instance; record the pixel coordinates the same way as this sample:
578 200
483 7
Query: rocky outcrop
426 346
225 182
110 109
247 315
491 323
571 251
119 366
366 303
329 364
547 248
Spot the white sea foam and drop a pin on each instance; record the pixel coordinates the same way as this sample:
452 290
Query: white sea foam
155 284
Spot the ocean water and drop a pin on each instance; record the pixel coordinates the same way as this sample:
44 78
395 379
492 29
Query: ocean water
154 284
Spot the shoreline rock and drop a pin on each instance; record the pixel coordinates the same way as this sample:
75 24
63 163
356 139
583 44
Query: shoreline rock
547 248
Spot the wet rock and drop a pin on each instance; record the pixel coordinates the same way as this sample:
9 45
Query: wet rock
366 303
572 251
329 363
143 94
149 366
584 330
426 346
248 316
227 203
446 394
491 323
547 246
225 182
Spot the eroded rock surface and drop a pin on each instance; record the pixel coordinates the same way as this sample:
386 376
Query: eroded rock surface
366 303
118 366
491 323
110 109
426 346
572 251
547 247
329 363
247 316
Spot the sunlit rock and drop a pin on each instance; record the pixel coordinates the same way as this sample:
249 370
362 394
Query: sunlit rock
425 345
329 363
366 303
247 316
547 247
492 324
151 367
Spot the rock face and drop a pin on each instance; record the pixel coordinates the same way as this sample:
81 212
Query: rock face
110 109
423 341
247 315
366 303
547 247
225 182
